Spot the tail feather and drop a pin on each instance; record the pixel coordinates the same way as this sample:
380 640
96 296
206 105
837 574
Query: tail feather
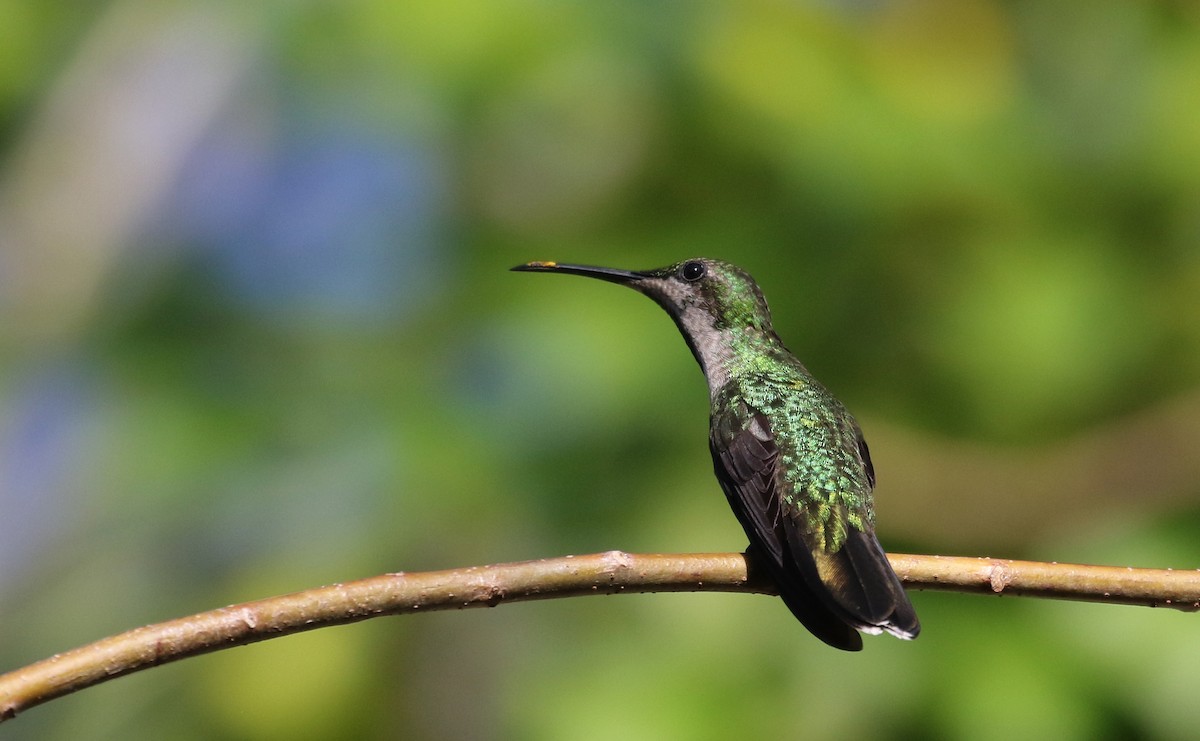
864 587
856 583
808 606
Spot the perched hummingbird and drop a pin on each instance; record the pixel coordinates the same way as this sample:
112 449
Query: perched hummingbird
791 459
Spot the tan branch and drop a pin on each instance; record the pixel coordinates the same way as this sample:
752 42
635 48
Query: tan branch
613 572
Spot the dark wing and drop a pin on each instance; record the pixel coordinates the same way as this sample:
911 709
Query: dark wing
832 594
864 455
745 459
868 555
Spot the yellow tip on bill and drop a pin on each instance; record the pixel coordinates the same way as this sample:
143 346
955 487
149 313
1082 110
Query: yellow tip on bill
541 264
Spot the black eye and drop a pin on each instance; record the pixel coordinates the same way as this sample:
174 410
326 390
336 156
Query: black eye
692 271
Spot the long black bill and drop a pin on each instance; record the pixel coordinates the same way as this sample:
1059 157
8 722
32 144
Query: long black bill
611 275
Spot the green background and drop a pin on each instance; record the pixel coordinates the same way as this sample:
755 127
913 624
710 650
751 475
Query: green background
257 334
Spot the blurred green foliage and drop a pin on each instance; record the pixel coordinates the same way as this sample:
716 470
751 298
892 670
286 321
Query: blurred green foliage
257 335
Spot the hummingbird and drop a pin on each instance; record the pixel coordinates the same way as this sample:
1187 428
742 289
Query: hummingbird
790 458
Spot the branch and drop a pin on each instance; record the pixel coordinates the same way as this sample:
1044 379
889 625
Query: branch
613 572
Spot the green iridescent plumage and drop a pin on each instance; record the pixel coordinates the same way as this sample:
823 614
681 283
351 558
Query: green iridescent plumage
790 458
827 483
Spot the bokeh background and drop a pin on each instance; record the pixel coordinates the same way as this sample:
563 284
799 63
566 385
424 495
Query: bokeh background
257 334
